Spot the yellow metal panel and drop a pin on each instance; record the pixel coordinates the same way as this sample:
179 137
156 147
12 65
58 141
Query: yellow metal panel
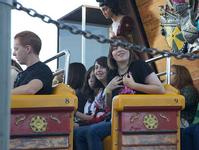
62 96
120 101
170 99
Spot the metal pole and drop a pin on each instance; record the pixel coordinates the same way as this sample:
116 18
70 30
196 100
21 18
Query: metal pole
62 53
66 65
161 74
155 58
168 70
83 28
67 62
5 61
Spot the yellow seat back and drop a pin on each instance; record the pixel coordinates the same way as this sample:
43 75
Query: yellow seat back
43 119
138 121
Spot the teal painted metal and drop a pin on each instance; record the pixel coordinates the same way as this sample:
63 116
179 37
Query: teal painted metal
5 61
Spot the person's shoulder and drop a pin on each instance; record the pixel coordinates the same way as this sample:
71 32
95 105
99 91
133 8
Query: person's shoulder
138 63
142 66
43 66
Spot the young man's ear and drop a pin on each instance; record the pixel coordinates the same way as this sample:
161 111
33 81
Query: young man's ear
28 49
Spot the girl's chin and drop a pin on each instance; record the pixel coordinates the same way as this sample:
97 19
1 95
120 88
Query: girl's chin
121 60
100 78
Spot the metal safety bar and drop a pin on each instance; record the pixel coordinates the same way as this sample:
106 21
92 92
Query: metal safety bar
66 65
168 66
155 58
161 74
58 72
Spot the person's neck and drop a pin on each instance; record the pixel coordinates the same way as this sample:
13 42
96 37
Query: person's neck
104 83
32 61
123 68
115 18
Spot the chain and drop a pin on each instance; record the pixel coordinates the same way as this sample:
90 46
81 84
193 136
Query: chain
102 39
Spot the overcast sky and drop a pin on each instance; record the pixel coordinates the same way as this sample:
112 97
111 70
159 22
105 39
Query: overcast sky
47 32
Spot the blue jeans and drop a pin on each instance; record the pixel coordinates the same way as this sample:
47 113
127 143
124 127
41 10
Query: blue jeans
190 138
91 137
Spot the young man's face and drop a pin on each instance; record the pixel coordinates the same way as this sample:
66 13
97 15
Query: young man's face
106 11
20 52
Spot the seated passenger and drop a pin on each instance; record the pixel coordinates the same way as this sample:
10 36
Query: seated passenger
37 78
127 75
15 69
80 134
91 89
76 75
89 92
181 79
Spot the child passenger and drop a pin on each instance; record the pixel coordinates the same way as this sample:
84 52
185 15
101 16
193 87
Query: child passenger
89 89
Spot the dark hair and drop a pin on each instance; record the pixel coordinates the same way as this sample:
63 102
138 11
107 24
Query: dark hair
76 75
86 89
111 61
102 61
182 77
16 65
112 4
29 38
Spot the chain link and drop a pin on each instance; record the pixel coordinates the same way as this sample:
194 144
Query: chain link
101 38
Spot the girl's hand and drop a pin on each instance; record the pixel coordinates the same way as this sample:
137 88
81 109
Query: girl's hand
128 80
114 83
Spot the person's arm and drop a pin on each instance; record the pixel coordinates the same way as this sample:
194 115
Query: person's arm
31 88
83 116
152 86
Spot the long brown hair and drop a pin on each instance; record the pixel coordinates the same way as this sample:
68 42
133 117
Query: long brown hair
182 77
76 75
111 61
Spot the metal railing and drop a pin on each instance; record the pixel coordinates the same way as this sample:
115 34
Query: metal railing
168 66
65 53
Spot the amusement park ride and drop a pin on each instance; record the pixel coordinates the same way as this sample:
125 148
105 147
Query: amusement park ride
46 121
